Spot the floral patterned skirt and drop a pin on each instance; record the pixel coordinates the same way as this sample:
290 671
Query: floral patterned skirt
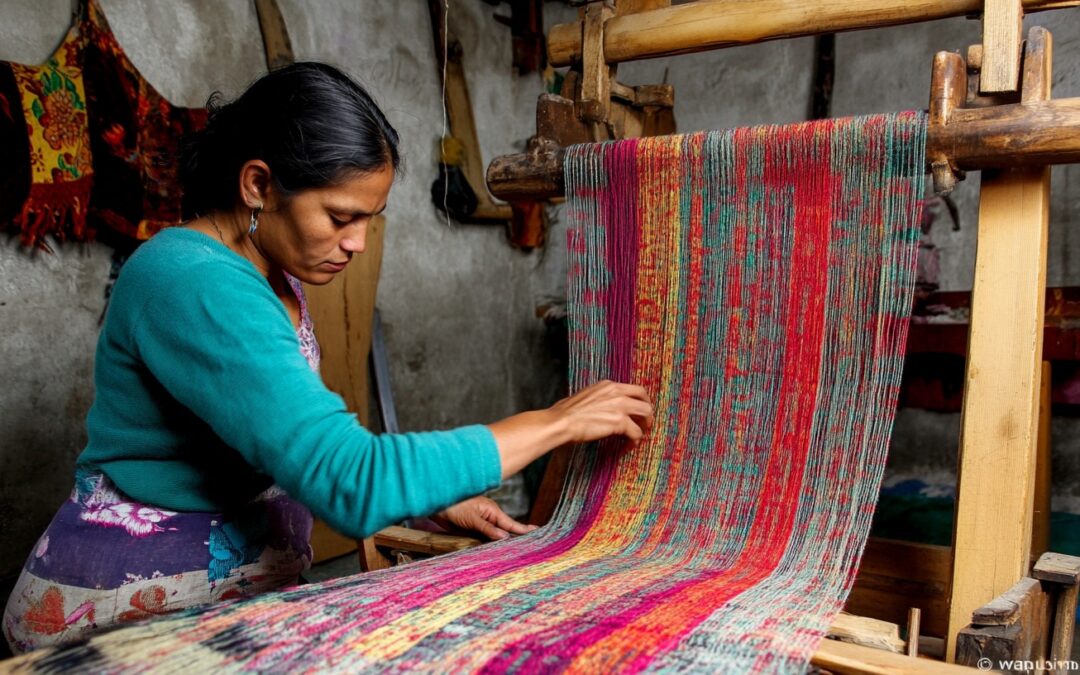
106 559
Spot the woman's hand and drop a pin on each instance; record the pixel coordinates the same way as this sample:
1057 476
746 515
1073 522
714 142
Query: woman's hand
597 411
606 409
483 515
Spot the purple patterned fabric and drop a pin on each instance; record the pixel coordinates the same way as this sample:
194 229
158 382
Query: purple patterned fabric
107 559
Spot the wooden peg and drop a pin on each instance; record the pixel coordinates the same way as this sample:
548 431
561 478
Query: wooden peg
1036 73
948 89
914 619
1002 28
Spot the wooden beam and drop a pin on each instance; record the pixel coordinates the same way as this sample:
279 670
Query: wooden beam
1021 134
419 541
999 428
714 24
1003 21
848 659
1031 134
636 6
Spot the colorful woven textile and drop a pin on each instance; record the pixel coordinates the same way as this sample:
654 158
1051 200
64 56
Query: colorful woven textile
757 282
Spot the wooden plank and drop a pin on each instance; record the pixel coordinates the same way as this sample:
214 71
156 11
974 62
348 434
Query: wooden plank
1008 608
419 541
714 24
999 427
848 659
1003 22
1058 568
895 576
342 312
862 630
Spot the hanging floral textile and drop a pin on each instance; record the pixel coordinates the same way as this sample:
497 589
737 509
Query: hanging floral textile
47 176
136 136
90 146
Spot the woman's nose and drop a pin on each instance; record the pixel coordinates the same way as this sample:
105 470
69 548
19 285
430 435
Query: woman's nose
355 241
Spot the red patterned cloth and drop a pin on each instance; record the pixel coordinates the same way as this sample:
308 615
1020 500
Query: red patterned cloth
136 135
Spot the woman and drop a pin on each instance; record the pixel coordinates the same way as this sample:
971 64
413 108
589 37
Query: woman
211 437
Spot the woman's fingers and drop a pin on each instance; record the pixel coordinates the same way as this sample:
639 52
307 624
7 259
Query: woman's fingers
490 531
508 524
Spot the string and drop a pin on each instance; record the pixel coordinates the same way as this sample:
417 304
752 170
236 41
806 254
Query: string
442 136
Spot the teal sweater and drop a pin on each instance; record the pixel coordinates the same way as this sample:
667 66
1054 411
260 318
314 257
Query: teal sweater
203 400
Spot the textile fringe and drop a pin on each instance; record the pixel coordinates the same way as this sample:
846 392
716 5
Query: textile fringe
57 209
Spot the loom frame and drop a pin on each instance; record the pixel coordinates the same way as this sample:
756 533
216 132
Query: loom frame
993 111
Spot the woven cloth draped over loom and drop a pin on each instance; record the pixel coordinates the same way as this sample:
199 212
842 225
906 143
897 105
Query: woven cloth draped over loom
758 283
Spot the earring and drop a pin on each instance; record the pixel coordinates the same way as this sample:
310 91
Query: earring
254 225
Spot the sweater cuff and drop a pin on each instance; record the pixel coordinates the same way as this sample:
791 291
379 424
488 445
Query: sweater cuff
490 473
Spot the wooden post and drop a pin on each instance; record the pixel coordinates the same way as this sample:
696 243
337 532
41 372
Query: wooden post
276 44
596 74
1002 24
1062 573
999 429
947 90
1040 524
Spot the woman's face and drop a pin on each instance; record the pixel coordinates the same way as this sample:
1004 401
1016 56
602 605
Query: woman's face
313 234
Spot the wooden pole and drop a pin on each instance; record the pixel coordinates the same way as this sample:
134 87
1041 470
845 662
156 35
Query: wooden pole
999 428
1016 135
713 24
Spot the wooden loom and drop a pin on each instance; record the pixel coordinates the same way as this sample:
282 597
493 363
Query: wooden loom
993 113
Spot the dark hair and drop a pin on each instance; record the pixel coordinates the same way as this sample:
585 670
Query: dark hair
311 123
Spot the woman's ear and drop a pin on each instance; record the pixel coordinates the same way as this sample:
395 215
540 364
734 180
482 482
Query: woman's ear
255 184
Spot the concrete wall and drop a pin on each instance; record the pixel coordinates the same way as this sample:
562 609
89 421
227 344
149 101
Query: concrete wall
457 301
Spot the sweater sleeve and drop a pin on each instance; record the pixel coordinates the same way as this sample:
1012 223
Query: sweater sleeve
225 349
